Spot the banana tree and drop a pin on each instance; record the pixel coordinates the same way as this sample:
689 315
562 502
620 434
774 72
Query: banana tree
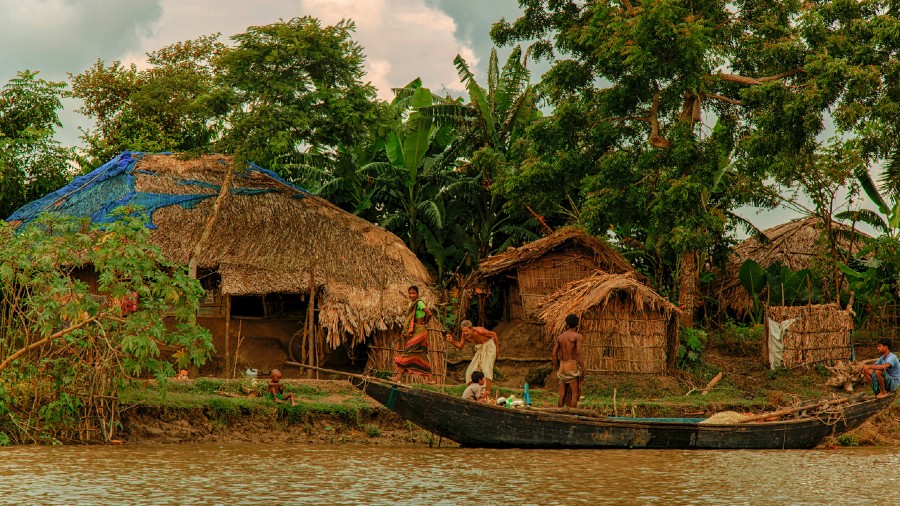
408 185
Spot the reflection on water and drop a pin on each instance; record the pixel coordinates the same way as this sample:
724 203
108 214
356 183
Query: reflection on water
253 474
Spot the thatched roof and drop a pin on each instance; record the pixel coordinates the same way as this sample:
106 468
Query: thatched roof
269 236
794 244
605 256
580 296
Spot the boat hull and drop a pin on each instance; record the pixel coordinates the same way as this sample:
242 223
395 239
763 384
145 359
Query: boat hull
474 424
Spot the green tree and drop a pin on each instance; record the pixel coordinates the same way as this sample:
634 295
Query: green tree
64 351
171 106
650 75
32 162
409 184
295 85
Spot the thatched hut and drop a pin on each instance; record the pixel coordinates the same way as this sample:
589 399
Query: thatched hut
796 245
525 275
806 335
627 327
279 263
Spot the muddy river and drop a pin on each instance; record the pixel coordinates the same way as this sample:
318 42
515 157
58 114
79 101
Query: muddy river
258 474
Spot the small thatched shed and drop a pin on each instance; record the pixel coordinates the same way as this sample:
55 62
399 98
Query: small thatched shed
796 245
279 262
525 275
532 271
806 335
627 327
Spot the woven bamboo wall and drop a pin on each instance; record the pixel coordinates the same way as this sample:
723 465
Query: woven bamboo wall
548 274
821 333
616 339
385 346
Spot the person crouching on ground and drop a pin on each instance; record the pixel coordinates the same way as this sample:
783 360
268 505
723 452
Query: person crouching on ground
276 389
886 371
475 391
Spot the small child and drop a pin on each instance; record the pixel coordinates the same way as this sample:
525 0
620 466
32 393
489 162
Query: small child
475 391
276 389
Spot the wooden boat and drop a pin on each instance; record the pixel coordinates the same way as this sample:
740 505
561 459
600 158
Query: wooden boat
474 424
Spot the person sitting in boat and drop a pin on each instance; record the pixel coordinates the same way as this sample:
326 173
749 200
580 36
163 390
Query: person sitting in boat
487 348
567 362
276 390
886 370
475 390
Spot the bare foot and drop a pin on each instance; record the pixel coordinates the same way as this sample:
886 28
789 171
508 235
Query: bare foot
881 394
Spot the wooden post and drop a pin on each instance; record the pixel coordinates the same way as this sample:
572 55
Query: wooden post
309 333
227 332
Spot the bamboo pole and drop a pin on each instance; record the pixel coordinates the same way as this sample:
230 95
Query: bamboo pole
207 229
795 409
227 333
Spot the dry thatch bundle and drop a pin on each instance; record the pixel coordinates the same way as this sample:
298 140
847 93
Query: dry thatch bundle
604 256
544 266
269 236
820 333
626 325
794 244
845 374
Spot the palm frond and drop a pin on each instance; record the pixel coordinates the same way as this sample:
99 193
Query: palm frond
513 82
748 227
871 189
493 77
890 176
866 216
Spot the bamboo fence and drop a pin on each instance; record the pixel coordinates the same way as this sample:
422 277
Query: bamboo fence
820 334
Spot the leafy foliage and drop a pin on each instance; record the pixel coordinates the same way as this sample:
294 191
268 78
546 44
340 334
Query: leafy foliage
295 84
690 350
65 351
171 106
32 162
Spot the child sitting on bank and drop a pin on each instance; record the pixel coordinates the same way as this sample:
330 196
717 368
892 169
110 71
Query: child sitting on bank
276 389
475 391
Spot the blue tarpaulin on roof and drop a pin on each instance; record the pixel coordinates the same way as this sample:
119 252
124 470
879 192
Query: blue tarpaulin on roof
97 194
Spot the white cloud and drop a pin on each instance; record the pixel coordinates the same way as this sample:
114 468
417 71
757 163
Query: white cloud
414 39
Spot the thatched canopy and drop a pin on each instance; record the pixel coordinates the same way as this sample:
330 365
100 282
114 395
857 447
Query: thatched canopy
269 236
605 256
627 327
599 290
794 244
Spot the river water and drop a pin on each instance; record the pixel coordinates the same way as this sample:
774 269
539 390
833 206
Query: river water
259 474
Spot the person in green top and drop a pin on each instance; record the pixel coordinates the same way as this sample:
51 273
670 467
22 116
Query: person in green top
414 357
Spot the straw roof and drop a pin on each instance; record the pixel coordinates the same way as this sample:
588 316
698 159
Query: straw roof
605 256
794 244
599 289
273 237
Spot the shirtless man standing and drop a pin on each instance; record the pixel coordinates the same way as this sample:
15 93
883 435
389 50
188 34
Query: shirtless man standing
486 350
568 363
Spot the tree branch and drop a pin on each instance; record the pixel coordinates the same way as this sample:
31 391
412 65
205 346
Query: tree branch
734 78
722 99
656 140
38 344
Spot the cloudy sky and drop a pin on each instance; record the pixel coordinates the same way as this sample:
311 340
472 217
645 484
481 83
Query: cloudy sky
403 39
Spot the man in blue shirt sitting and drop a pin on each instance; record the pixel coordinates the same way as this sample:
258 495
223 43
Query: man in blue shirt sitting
886 371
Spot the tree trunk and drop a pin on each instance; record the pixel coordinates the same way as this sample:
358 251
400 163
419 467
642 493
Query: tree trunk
688 289
198 248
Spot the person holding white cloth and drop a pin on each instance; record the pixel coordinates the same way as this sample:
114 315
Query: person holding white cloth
487 347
